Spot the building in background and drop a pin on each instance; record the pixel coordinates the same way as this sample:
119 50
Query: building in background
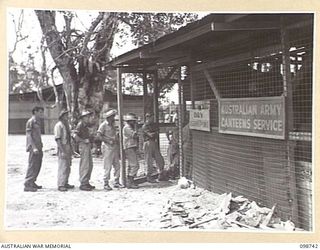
250 80
20 106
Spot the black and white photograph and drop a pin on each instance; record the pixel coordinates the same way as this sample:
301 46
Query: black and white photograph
160 121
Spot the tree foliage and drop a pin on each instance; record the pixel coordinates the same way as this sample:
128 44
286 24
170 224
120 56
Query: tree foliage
23 77
80 55
148 27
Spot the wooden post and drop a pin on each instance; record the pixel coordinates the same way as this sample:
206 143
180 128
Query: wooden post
181 172
145 95
184 104
155 97
191 88
287 91
120 113
156 102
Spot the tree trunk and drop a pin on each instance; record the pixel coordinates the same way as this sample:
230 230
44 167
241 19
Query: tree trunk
83 89
91 72
62 61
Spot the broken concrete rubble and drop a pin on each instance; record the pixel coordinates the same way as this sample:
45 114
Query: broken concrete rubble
195 208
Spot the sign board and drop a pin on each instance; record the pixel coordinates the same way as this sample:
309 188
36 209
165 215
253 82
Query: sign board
200 119
261 117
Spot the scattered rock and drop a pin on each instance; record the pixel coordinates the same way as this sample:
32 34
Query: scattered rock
267 219
184 183
224 212
289 226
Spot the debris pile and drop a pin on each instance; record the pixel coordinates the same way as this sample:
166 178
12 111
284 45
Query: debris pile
199 209
184 182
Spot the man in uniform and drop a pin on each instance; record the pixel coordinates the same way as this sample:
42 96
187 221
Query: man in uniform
34 147
108 134
82 136
150 133
173 150
187 150
130 144
63 138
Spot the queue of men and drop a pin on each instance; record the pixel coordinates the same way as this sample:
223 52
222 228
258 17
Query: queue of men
108 134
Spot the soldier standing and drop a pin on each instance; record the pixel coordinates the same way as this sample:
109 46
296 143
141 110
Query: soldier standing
108 134
34 147
63 138
82 136
130 144
150 133
173 150
187 150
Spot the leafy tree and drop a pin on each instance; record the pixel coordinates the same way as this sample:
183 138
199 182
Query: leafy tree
23 77
148 27
80 56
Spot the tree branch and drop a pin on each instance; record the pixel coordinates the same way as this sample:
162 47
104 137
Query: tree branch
90 31
108 40
16 43
68 19
62 61
65 52
17 29
123 19
54 87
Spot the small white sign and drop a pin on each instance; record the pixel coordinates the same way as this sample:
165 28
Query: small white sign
200 119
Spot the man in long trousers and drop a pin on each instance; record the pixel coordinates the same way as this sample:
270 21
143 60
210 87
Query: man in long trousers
130 144
83 137
34 147
108 134
151 149
63 138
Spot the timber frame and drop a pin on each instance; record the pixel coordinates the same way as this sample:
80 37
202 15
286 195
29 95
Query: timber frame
200 46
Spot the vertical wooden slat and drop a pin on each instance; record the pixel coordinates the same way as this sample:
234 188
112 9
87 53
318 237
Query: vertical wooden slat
120 112
145 95
183 95
287 90
181 172
184 104
192 88
155 101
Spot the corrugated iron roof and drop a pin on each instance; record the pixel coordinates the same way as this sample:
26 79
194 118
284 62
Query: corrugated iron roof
187 37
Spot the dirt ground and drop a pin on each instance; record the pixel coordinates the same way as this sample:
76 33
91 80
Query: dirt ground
157 206
49 208
76 209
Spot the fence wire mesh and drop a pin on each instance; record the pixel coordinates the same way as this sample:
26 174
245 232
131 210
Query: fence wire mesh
269 171
266 170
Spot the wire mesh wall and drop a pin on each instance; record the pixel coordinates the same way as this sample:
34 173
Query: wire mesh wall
163 126
269 171
252 65
301 56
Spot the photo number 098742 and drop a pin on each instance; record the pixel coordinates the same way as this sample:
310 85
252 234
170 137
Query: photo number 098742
307 246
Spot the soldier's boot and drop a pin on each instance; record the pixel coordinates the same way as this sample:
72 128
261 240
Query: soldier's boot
171 173
151 180
30 189
106 186
117 184
163 176
130 183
